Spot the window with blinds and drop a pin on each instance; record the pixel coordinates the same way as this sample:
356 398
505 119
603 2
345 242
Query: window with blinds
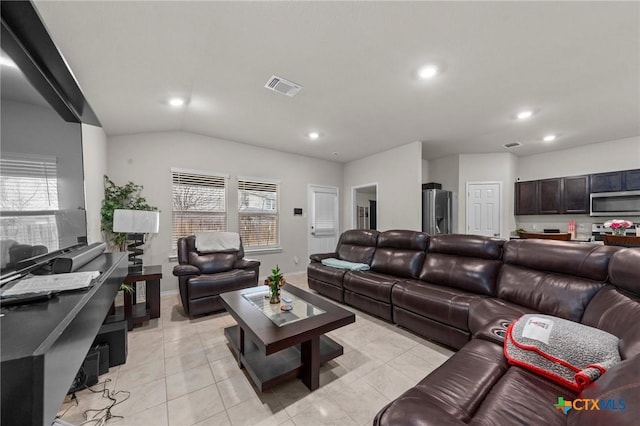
258 213
325 213
199 204
29 199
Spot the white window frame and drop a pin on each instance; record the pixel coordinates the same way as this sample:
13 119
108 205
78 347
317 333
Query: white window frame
262 248
204 174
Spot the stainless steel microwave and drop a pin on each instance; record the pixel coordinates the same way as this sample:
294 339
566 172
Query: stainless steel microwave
626 203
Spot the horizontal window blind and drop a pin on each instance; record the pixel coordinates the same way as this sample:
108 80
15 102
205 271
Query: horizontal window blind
28 183
258 213
325 221
29 199
33 230
199 204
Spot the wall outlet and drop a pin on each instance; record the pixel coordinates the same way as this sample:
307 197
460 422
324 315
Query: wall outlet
534 226
295 259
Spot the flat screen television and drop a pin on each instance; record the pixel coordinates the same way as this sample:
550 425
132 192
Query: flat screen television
42 204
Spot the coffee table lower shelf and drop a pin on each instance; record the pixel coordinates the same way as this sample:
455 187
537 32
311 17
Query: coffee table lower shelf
267 371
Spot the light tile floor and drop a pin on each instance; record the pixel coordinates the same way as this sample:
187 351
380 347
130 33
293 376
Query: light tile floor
180 372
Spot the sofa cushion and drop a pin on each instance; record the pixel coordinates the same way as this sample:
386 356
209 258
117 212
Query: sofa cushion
400 263
474 275
522 398
412 408
402 239
212 263
457 388
318 271
207 285
467 245
623 270
460 384
357 245
400 253
616 313
446 305
371 284
619 394
616 308
587 261
562 296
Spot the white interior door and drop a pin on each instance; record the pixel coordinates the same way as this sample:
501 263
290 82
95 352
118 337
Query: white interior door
323 230
483 208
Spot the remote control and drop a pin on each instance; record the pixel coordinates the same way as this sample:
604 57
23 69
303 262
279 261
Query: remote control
23 299
286 299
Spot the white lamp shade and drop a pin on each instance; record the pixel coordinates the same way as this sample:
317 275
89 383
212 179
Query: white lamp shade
136 221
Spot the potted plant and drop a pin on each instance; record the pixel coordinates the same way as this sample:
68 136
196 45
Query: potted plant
120 197
275 281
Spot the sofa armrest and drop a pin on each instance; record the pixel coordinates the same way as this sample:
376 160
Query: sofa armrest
318 257
184 270
246 264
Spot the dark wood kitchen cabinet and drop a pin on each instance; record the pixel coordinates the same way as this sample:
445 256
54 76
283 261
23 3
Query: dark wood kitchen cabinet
607 182
575 194
550 196
632 180
526 198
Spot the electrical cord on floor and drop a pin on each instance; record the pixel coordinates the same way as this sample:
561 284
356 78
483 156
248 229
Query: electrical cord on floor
103 415
74 398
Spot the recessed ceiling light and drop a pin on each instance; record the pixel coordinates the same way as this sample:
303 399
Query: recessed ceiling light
427 72
313 135
176 102
523 115
549 138
7 62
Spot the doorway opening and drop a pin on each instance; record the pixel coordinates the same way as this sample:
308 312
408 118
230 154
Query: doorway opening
365 206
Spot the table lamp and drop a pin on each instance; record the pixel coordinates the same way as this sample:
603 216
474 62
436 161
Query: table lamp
136 223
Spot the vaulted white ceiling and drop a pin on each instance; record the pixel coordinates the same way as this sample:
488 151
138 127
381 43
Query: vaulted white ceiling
576 64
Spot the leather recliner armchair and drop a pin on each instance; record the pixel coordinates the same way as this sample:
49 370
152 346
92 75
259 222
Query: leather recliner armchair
202 277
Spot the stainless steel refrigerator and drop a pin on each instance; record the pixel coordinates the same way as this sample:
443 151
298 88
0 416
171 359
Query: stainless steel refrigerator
438 211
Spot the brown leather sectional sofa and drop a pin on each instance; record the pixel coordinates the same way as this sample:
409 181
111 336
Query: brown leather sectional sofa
463 290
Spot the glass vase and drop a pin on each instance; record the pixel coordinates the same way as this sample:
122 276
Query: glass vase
618 231
275 294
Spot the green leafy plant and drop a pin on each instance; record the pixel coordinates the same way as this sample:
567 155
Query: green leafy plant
120 197
275 277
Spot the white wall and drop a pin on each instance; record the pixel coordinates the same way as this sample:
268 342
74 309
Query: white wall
94 158
621 154
146 159
483 168
425 171
446 171
398 173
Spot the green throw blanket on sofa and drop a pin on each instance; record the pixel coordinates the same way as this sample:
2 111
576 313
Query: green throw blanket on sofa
343 264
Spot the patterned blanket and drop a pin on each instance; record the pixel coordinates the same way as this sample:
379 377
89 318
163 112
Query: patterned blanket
566 352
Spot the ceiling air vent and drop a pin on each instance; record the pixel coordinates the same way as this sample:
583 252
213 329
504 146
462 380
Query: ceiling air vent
280 85
511 145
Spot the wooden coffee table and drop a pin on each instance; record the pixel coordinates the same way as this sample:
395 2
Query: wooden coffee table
275 346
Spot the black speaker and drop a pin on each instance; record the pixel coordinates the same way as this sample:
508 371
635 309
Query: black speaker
103 365
114 335
72 261
88 373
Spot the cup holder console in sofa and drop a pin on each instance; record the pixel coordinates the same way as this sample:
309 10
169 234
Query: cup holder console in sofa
464 291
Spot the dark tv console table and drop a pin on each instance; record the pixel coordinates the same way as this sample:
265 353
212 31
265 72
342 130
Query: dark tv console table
45 343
